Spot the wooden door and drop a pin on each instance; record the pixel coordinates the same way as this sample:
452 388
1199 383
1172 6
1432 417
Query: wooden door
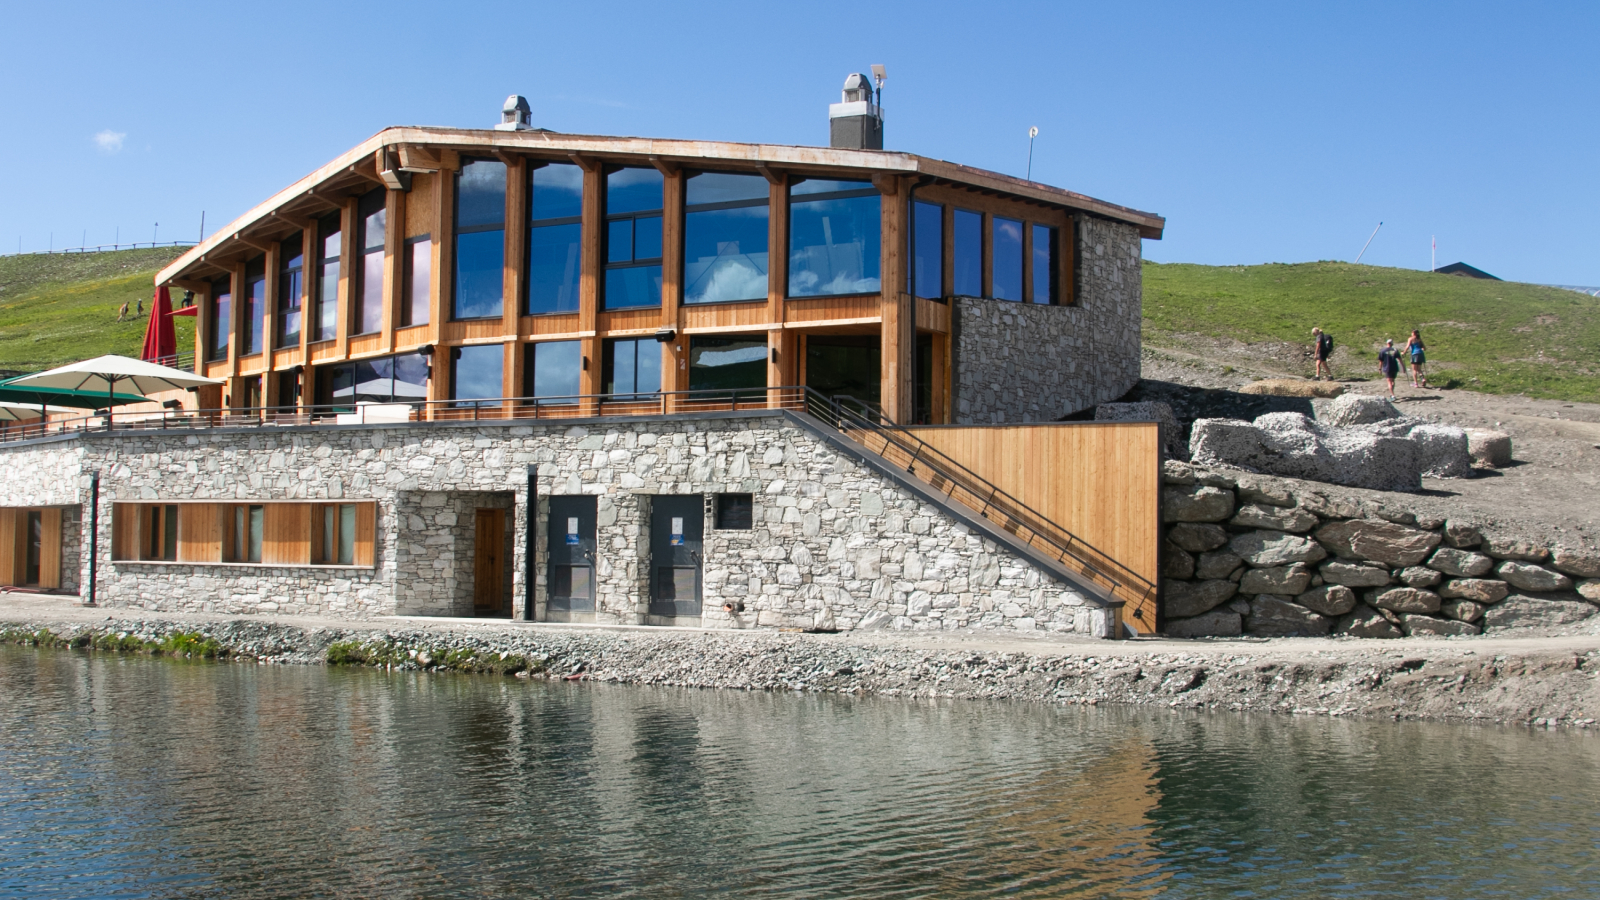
488 572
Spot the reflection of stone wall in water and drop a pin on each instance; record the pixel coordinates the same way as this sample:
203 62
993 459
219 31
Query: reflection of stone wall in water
1246 554
1018 362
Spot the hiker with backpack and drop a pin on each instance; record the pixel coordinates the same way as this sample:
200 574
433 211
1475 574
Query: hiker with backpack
1321 350
1389 364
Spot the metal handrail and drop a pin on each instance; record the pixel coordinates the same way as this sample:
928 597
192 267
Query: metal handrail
900 446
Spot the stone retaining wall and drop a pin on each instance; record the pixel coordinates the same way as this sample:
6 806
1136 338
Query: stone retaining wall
1248 554
1020 362
835 543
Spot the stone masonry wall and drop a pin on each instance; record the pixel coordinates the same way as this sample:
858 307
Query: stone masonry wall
1017 362
835 544
1247 554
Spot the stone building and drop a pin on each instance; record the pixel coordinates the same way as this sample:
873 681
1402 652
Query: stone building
576 378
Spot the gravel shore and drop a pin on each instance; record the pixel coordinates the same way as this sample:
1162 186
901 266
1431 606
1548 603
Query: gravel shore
1541 680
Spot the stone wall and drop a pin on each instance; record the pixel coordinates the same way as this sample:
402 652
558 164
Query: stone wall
1247 554
836 544
1017 362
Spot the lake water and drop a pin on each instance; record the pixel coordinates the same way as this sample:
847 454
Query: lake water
132 777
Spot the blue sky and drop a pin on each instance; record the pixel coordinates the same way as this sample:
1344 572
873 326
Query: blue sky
1263 132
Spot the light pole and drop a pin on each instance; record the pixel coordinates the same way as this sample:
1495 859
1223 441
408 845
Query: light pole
1033 132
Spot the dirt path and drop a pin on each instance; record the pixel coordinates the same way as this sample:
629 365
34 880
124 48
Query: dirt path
1551 492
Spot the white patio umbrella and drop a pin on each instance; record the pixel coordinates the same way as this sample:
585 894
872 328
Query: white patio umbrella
16 412
114 373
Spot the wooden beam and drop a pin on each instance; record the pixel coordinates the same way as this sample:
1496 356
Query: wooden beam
586 163
186 284
888 184
239 238
418 159
363 173
667 169
773 176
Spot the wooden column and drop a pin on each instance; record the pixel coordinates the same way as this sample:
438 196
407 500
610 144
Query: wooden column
947 278
202 330
1027 261
780 369
898 343
594 185
269 323
987 240
516 274
308 278
444 262
674 377
1068 262
236 285
394 247
349 259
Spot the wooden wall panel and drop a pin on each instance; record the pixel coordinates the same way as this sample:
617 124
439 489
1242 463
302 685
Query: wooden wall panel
286 534
419 205
8 546
710 318
367 345
412 337
645 319
474 330
1099 480
50 549
558 326
125 530
200 533
857 310
366 533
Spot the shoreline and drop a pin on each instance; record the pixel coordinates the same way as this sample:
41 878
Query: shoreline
1543 681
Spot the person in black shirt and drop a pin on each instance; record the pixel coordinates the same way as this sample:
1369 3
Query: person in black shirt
1321 349
1389 364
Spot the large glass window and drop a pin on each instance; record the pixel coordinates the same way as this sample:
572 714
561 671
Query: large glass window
734 362
374 220
221 319
555 238
1044 264
632 368
725 237
476 374
480 239
552 369
328 250
338 534
633 238
927 250
845 366
417 298
245 526
255 305
834 228
291 263
390 379
968 253
1007 243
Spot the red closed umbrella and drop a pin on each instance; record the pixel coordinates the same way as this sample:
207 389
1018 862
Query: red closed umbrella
160 341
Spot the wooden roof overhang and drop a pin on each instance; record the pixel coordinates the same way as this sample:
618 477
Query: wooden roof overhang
356 171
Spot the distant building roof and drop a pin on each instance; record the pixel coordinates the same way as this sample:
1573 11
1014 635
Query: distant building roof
1462 268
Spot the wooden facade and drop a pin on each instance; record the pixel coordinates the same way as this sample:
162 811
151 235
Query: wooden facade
30 547
424 164
1099 480
207 533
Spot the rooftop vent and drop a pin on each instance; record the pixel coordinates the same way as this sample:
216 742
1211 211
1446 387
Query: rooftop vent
515 115
856 122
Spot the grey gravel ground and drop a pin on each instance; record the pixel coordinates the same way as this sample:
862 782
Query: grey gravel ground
1542 680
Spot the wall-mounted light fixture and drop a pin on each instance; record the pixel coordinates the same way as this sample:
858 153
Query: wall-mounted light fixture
665 335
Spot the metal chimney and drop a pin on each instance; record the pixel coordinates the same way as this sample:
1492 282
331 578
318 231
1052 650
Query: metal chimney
856 122
515 115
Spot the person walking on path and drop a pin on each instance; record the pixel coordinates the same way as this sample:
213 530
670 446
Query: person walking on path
123 312
1418 358
1321 349
1389 364
139 310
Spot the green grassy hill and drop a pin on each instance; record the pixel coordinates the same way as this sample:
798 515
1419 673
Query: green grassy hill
1490 336
60 308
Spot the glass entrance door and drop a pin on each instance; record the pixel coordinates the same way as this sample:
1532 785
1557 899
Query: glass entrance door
569 568
677 530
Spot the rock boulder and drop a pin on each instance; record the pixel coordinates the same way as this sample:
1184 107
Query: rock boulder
1270 615
1492 448
1217 564
1414 625
1366 622
1357 409
1576 563
1186 598
1526 577
1478 590
1522 611
1265 549
1277 518
1406 600
1329 600
1216 623
1195 503
1462 563
1277 580
1197 538
1379 541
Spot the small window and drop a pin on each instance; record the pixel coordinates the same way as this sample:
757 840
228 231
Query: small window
1044 264
329 248
927 250
418 281
968 254
221 322
291 263
632 368
338 545
255 304
735 512
161 533
245 525
1007 272
552 371
475 377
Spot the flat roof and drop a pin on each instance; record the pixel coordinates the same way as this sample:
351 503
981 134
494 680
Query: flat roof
357 164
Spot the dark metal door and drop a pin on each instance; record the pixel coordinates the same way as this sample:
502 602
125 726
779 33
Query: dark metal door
570 572
677 530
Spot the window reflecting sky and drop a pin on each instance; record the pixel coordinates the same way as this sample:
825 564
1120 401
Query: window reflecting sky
632 366
928 254
480 274
481 194
1043 257
725 254
633 286
478 372
724 187
1007 259
731 362
556 366
554 257
633 190
968 260
557 192
833 244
